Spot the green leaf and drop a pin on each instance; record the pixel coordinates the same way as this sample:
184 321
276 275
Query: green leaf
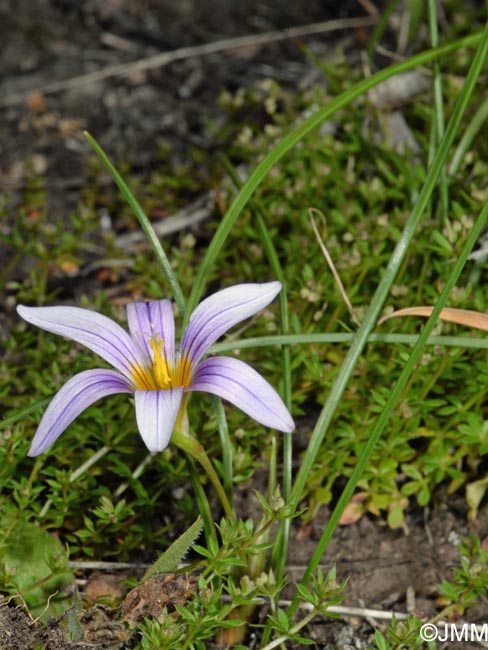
35 564
303 640
27 410
380 640
305 594
171 558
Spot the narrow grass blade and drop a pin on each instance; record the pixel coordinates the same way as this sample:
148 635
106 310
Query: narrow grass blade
390 404
27 410
144 222
279 549
202 501
227 449
389 275
438 112
329 339
381 27
291 140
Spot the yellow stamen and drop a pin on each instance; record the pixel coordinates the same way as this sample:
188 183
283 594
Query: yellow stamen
159 367
160 375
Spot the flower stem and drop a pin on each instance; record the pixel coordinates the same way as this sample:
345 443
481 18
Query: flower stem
193 448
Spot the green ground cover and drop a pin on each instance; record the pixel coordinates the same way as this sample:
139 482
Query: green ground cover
396 225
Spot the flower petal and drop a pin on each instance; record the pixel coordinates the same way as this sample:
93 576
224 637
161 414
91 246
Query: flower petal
95 331
155 318
221 311
240 384
156 413
77 394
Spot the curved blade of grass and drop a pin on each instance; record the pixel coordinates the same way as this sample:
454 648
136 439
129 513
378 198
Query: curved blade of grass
290 141
378 299
390 404
391 270
144 222
381 27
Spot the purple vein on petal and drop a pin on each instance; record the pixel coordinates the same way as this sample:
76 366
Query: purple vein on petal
241 385
95 331
156 413
221 311
154 318
77 394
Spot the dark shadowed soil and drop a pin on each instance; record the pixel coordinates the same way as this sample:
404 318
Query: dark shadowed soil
47 42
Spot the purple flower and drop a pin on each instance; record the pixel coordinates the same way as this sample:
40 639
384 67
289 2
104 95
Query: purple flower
148 365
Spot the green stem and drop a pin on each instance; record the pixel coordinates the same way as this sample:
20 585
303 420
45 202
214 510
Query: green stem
202 501
193 448
293 630
227 448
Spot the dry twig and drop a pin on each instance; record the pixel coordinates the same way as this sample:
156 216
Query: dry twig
164 58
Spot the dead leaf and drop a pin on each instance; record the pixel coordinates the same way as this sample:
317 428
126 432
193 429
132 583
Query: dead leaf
105 587
157 592
304 532
354 510
459 316
69 267
474 493
36 102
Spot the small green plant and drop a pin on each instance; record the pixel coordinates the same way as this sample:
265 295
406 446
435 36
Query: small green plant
464 590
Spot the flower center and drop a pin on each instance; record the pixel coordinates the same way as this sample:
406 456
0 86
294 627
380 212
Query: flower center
160 375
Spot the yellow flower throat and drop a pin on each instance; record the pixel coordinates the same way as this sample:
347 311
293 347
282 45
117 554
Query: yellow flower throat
160 375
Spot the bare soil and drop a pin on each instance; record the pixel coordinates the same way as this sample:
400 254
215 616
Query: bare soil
47 41
387 570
